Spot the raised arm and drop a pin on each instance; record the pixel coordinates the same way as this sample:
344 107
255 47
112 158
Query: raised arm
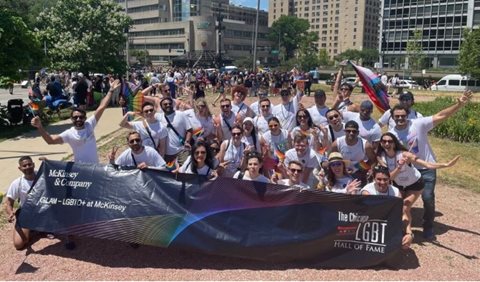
104 103
50 139
448 112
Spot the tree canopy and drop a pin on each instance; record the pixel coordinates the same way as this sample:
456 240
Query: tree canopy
469 56
85 35
290 32
17 45
415 54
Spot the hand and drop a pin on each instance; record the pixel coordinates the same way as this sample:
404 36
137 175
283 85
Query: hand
113 152
274 177
452 162
142 166
42 159
36 122
187 146
401 162
353 186
467 95
131 113
224 164
116 84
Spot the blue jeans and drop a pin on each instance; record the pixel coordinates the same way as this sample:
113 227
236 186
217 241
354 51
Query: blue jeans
428 196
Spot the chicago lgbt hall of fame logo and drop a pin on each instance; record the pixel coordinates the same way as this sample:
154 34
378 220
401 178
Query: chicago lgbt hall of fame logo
361 233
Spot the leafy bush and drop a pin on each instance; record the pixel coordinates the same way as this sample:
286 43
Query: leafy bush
464 126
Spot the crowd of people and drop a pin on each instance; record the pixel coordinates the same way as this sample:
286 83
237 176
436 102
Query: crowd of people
338 148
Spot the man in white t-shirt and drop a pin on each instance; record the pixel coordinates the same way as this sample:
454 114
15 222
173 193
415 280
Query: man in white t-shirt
179 132
369 129
406 99
80 137
413 134
18 191
305 155
137 155
294 172
287 110
318 111
261 120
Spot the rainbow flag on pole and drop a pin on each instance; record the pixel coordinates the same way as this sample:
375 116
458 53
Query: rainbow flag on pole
134 97
376 91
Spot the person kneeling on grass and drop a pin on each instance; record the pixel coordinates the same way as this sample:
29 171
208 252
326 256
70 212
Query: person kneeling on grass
18 191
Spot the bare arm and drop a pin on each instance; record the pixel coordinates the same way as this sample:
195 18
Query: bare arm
104 103
9 209
125 123
430 165
372 159
448 112
162 146
50 139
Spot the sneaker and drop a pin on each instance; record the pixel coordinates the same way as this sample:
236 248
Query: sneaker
428 234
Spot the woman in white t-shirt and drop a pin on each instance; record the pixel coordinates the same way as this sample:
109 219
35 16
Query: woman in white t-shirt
338 180
200 161
275 144
254 169
201 120
250 136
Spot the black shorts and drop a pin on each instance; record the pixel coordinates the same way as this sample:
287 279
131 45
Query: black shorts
417 186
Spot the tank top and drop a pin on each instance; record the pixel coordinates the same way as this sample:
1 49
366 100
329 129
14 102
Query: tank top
408 174
354 154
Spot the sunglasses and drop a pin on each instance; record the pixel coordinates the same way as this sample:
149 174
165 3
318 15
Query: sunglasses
385 141
166 104
148 111
225 106
78 117
136 140
399 116
265 106
332 117
344 88
236 134
336 164
351 131
294 170
302 117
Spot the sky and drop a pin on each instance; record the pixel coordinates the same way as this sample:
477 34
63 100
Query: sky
251 3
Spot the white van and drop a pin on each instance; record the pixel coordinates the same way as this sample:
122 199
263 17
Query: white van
456 82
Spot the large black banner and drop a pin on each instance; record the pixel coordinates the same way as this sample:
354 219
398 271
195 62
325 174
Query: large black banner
226 216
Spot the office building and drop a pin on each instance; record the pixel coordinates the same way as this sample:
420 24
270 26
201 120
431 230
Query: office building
340 24
441 23
172 28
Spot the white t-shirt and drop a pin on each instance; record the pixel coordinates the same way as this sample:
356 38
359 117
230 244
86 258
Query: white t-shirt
157 130
149 156
261 124
386 118
318 115
309 160
286 113
354 153
408 174
248 140
205 170
82 142
181 124
234 155
368 129
201 126
415 136
334 135
277 142
287 182
18 189
242 109
391 191
255 108
259 178
226 124
309 135
340 185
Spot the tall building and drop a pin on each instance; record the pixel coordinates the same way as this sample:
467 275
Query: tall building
340 24
441 22
172 28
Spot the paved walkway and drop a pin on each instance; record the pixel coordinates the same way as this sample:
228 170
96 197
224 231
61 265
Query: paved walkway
33 144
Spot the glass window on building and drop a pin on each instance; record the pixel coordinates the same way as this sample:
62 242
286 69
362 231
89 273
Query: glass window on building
476 17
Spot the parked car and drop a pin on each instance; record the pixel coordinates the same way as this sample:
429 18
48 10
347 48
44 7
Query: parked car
351 80
410 84
456 82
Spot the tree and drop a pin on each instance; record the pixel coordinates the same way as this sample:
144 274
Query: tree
349 54
469 56
415 54
142 56
244 62
324 58
288 32
17 46
369 56
307 51
85 35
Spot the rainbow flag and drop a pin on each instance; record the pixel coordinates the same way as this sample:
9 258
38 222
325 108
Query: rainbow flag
376 91
198 132
171 166
134 97
362 165
279 155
